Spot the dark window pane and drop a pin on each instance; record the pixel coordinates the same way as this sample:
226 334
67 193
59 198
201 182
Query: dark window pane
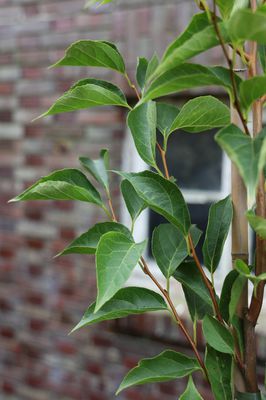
199 216
195 160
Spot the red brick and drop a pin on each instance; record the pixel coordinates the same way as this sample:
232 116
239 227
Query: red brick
7 332
8 387
6 88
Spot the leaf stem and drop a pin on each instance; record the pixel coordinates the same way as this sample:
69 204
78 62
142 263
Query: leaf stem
131 84
205 280
176 316
231 69
163 155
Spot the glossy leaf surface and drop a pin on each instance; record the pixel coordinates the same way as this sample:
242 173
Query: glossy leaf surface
217 336
163 197
191 392
93 53
169 247
188 76
220 370
142 123
98 168
88 93
257 223
164 367
201 114
65 184
127 301
87 242
248 154
116 257
251 90
255 21
134 203
219 221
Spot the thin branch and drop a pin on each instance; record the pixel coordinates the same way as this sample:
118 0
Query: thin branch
257 298
175 314
163 156
205 280
131 84
112 209
231 69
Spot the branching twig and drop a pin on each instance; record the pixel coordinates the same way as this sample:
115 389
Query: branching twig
231 69
132 86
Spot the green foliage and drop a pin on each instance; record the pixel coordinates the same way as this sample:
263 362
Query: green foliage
116 257
220 218
88 93
93 53
98 168
217 335
173 243
257 223
202 114
164 367
256 23
220 370
127 301
87 242
65 184
134 203
251 90
248 154
187 76
188 274
169 247
162 196
191 392
142 123
199 36
248 396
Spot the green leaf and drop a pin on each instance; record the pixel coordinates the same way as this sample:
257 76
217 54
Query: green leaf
241 267
262 56
141 71
85 94
65 184
87 242
188 76
225 7
196 306
248 154
227 293
199 36
169 247
142 123
93 53
134 203
98 168
166 366
127 301
191 392
116 257
238 325
90 3
252 89
220 371
236 292
201 114
219 221
153 64
255 21
166 114
163 197
248 396
217 335
189 276
257 223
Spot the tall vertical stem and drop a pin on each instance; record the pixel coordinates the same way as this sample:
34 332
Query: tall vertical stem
257 299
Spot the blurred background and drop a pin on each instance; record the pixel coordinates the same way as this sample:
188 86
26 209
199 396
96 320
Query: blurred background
42 298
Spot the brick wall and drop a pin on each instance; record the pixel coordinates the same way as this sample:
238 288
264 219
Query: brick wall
41 298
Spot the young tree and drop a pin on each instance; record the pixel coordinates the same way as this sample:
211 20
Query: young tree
228 320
